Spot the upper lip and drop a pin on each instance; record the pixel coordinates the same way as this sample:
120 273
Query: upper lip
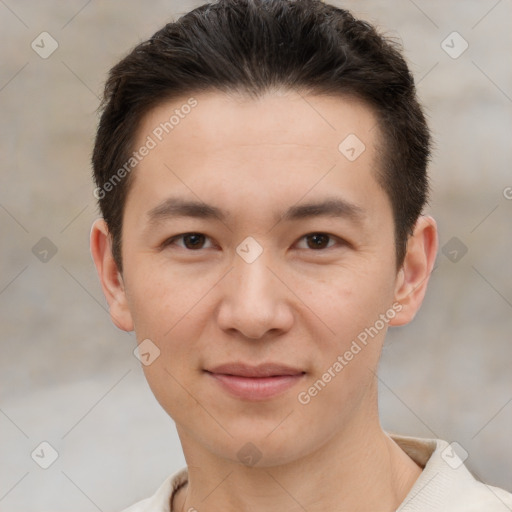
261 370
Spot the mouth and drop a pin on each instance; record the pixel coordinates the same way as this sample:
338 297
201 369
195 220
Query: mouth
255 383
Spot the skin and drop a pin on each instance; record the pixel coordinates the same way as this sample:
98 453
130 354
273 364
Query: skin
295 304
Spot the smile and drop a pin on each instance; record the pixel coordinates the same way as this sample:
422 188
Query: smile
255 382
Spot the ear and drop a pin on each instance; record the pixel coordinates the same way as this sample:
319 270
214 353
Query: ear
110 277
412 278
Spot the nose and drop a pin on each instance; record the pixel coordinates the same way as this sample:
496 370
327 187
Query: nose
255 302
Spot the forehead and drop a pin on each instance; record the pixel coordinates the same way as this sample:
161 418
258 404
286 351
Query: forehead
283 145
278 117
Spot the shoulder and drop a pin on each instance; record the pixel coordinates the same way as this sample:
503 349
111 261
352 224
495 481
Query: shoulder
446 485
475 496
161 500
140 506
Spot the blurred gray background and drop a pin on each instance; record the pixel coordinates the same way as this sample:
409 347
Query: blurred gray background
69 377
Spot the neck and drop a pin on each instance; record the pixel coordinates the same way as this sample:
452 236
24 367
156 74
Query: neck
357 470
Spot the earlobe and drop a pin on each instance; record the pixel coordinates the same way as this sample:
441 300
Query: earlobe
412 278
110 278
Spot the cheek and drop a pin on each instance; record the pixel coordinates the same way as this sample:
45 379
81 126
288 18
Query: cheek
344 362
349 302
160 298
168 309
174 374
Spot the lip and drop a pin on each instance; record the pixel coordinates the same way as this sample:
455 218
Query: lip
260 382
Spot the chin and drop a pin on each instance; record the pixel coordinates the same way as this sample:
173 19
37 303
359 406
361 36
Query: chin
261 447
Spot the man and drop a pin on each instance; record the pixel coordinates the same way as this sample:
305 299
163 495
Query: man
261 171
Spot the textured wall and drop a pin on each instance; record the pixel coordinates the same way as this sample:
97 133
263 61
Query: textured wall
69 377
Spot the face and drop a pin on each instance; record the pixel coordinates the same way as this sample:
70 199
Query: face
259 258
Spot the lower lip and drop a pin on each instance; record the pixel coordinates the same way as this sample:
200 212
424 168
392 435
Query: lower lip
252 388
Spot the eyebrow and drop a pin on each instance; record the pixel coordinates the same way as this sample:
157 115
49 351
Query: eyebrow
173 207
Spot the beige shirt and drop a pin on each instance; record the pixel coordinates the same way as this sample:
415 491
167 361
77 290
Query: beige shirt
445 485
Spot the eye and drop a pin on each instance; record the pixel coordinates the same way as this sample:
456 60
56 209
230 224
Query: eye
191 241
197 241
318 241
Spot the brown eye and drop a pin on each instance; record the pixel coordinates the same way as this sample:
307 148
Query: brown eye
190 241
317 241
193 240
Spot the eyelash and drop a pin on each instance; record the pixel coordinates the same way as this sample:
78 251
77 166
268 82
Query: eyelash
170 241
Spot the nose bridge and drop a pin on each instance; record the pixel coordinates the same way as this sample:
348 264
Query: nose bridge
254 300
253 276
250 262
253 284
